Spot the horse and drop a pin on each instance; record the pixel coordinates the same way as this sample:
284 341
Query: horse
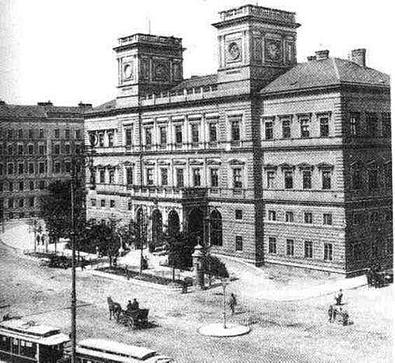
114 308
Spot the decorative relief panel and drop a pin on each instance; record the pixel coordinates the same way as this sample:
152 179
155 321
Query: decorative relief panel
161 70
144 70
273 50
233 50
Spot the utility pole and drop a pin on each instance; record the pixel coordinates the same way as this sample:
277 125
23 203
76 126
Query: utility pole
73 277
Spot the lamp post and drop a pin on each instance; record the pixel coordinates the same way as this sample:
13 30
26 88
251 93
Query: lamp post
85 160
225 283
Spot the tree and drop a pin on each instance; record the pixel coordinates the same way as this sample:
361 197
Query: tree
55 209
213 266
180 251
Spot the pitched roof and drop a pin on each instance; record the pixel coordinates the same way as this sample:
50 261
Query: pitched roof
196 81
324 73
106 106
36 111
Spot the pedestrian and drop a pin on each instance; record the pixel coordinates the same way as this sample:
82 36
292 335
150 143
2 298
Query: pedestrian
232 302
82 264
331 314
339 297
135 305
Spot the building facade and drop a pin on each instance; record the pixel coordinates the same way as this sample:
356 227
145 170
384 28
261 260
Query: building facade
261 159
37 146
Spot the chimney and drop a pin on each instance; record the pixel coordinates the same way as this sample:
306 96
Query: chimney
311 58
359 56
46 104
84 105
322 54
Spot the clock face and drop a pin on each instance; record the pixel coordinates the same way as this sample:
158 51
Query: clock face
127 71
273 50
234 51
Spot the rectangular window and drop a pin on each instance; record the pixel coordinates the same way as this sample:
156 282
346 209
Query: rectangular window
111 176
286 124
238 214
324 126
148 136
386 124
57 167
272 245
269 130
41 133
372 124
328 255
180 178
41 168
41 185
31 132
10 203
308 217
21 203
20 168
237 178
67 134
239 243
270 177
11 186
214 178
78 134
326 179
102 176
20 134
373 179
110 136
327 218
196 177
178 132
129 176
31 201
20 186
212 132
67 166
93 202
164 176
150 176
31 168
102 203
288 180
101 139
289 217
128 136
57 149
67 149
306 174
304 126
308 249
355 118
30 149
10 134
235 131
31 185
195 133
20 149
10 150
112 203
41 149
57 133
10 168
162 137
290 247
272 215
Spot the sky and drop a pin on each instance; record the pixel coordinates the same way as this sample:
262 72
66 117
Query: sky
61 50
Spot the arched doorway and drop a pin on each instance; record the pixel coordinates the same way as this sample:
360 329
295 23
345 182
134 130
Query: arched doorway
173 223
157 229
216 228
195 225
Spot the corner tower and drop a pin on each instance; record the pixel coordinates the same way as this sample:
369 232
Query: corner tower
147 64
255 44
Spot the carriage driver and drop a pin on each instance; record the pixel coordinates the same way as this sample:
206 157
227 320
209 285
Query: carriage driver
132 306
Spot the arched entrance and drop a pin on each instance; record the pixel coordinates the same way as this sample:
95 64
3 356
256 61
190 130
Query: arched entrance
157 229
195 225
173 223
216 228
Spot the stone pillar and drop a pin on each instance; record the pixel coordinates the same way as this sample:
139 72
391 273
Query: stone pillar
197 265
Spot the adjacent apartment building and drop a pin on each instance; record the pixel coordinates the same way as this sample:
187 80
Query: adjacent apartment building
37 145
267 160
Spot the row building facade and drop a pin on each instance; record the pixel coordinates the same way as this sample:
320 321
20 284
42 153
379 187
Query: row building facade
268 160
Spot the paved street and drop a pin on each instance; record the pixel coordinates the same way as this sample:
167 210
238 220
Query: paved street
281 331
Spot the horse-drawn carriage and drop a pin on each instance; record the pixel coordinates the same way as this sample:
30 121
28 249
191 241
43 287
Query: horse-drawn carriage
137 318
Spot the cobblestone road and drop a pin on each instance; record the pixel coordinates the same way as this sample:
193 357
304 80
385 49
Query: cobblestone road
286 332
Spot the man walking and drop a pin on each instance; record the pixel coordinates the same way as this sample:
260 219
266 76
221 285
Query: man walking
331 313
232 302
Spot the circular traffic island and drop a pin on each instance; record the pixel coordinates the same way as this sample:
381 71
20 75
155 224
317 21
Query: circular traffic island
218 330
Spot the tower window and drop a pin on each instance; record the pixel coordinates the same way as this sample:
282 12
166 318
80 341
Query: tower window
306 179
213 131
326 179
195 133
178 132
237 178
239 214
272 215
129 176
164 176
148 136
111 176
288 179
290 247
270 178
180 178
308 217
328 251
304 126
327 218
289 217
214 178
324 126
308 249
286 128
269 130
196 177
272 245
150 176
239 243
355 123
235 131
110 136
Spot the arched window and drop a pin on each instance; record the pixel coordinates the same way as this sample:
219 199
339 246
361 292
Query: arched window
216 228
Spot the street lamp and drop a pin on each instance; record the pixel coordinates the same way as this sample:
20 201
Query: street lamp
225 283
84 160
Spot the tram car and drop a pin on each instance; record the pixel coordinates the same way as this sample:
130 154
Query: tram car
27 342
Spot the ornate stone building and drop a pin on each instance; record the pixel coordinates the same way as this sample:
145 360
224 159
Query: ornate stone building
37 144
268 160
